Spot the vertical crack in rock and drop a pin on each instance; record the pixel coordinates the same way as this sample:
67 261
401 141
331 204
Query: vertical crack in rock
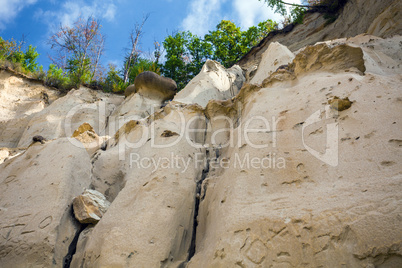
73 245
204 174
198 188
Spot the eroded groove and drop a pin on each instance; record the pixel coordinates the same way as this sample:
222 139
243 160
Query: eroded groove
72 248
204 174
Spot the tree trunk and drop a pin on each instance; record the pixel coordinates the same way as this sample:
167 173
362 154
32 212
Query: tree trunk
135 37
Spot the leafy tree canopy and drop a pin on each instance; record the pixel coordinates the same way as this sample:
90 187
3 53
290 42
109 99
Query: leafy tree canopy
12 51
78 49
186 53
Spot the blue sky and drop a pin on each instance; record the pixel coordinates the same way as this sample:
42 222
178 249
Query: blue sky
38 19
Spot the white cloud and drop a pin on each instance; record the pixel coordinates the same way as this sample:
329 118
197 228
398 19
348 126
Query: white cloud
202 16
250 13
205 14
9 9
71 10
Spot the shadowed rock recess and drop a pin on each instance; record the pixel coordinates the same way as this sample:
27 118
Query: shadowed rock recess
291 160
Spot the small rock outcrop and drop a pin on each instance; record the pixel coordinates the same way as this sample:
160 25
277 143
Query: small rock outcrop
274 57
340 104
152 85
90 206
144 97
214 82
86 137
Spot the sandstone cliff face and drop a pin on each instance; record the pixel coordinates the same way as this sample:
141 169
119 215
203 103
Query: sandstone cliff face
289 210
295 164
20 99
279 175
379 18
214 82
37 188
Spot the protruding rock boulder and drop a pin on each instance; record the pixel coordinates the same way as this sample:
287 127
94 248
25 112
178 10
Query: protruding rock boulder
213 82
152 85
129 90
274 57
145 96
88 138
90 206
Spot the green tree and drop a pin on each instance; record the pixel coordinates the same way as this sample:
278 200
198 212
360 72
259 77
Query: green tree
79 49
186 53
79 71
175 66
255 34
199 51
230 43
56 77
11 51
226 41
30 57
113 82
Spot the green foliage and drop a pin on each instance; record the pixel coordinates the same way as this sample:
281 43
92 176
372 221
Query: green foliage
255 34
113 82
277 5
79 71
176 54
8 48
198 52
21 61
186 53
142 65
297 14
30 57
78 49
56 77
227 43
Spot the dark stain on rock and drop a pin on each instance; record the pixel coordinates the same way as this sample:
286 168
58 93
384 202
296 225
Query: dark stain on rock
169 133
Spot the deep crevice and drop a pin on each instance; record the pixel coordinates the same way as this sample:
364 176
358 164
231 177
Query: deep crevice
204 174
72 248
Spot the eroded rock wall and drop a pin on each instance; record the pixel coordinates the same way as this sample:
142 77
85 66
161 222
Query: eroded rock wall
36 191
299 168
282 205
379 18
